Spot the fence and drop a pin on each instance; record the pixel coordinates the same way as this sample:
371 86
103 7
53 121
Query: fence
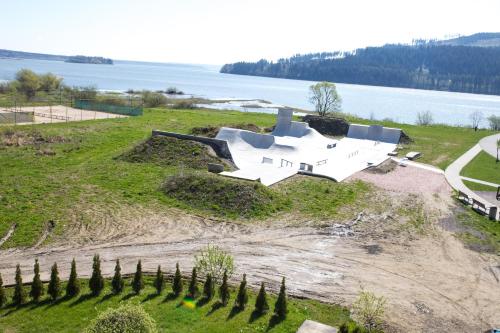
109 108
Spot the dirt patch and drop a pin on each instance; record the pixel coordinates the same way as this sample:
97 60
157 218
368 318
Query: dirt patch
223 196
211 131
15 138
383 168
167 151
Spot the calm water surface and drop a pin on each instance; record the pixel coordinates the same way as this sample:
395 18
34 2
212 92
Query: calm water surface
399 104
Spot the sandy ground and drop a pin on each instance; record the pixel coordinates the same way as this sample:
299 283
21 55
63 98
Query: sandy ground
60 113
432 283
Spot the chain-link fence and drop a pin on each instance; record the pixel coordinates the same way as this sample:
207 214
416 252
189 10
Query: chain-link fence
108 108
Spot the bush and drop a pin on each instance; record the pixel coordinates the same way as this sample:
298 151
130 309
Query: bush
49 82
424 118
153 99
73 286
280 308
494 122
215 262
184 104
96 282
177 282
29 82
19 296
54 288
159 282
117 284
242 297
138 282
85 93
125 319
369 309
37 285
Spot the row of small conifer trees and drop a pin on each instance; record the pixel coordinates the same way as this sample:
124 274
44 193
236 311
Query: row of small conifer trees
96 285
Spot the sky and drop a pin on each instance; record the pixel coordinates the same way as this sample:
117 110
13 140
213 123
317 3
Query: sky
223 31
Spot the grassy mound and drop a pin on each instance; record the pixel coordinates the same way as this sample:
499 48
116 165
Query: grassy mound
166 151
224 196
211 131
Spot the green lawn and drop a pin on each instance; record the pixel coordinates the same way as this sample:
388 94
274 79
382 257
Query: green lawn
72 315
79 171
482 167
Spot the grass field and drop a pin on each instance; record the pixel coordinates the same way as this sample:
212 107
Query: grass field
73 167
482 167
72 315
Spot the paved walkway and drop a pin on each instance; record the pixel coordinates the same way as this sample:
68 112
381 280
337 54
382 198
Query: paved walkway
480 182
489 144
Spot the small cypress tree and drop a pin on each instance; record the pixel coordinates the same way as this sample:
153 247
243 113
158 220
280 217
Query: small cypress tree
193 284
159 282
19 296
54 288
242 297
208 287
3 297
224 290
36 286
280 308
96 282
117 284
73 286
177 283
343 328
137 282
261 305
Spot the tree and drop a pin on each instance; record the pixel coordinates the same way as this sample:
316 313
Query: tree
214 261
177 282
242 297
36 286
324 97
3 297
117 284
193 284
54 288
19 296
280 307
224 291
96 282
49 82
476 119
29 82
369 309
261 305
73 286
494 122
159 282
127 318
208 288
424 118
138 282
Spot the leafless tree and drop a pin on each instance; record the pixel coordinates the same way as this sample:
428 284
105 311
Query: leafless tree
476 119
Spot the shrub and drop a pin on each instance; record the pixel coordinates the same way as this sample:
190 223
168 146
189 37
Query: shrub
96 282
117 284
424 118
73 286
173 91
159 282
280 308
153 99
261 305
224 290
177 282
88 93
242 297
49 82
343 328
3 296
215 262
36 286
193 284
184 104
54 288
494 122
369 309
19 296
208 288
29 82
138 282
125 319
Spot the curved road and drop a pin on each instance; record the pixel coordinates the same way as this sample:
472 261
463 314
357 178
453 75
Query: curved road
452 172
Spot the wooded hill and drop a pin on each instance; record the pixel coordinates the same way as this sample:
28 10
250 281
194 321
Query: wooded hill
424 65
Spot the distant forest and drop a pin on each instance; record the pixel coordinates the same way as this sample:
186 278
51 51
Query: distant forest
52 57
428 65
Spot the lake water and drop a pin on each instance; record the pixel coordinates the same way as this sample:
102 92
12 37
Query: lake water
401 105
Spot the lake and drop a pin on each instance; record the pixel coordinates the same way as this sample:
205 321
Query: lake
399 104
